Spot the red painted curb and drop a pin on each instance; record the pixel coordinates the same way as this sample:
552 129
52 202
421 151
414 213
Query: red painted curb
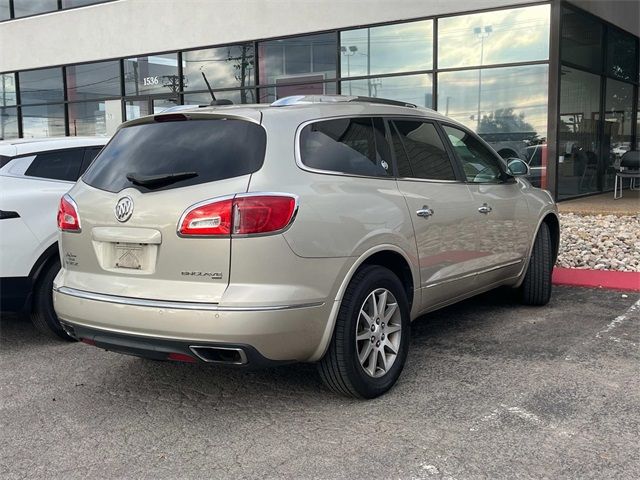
597 278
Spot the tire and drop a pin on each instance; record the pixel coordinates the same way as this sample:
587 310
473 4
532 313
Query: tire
43 316
536 287
340 368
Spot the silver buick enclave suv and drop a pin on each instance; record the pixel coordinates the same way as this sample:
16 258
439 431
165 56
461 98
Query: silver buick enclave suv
314 229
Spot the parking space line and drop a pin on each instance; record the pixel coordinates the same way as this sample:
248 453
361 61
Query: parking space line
616 322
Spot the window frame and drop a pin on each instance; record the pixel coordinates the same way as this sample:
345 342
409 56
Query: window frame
506 178
459 174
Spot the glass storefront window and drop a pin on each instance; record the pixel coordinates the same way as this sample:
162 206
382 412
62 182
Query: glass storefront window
23 8
94 118
5 10
505 106
8 123
7 89
618 125
578 140
622 55
581 42
41 86
416 89
152 74
79 3
501 36
224 67
236 96
93 80
43 121
402 47
309 58
285 89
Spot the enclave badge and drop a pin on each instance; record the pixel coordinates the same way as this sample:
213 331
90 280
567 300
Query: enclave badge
124 209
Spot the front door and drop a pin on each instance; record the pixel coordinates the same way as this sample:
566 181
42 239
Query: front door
439 204
500 210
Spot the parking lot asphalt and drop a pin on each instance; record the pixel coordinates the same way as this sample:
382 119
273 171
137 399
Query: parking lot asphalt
491 389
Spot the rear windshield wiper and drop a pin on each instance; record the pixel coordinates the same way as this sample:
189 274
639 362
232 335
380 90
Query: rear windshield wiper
155 181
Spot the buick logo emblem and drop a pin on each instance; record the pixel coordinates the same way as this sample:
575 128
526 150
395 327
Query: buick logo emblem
124 209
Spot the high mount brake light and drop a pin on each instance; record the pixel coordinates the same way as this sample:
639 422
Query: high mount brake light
241 215
68 218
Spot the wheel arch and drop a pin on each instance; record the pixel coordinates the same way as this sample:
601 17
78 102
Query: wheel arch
550 218
50 254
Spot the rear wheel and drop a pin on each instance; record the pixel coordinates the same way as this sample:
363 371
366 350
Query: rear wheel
43 315
371 337
536 287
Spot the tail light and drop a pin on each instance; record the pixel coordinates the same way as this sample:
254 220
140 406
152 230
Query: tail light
242 215
68 219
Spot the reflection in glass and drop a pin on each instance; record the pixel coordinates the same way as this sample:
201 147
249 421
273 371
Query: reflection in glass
136 108
231 66
5 12
43 121
501 36
285 89
152 74
94 118
93 80
581 42
8 123
41 86
618 116
7 89
22 8
507 107
416 89
236 96
622 55
578 133
403 47
79 3
162 104
297 59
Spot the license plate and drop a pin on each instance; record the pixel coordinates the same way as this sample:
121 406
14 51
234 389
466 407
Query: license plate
129 255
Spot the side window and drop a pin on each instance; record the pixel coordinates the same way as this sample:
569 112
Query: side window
479 164
62 165
420 152
89 154
354 146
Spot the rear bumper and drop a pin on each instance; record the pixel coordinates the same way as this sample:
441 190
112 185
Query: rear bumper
14 293
286 333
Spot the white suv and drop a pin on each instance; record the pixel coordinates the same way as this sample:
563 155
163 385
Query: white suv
34 174
312 230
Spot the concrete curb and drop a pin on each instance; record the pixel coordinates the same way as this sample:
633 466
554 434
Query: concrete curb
610 279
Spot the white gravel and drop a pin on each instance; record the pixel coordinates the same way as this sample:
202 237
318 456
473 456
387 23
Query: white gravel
600 242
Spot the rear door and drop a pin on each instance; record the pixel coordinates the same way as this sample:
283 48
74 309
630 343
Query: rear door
500 212
132 197
439 204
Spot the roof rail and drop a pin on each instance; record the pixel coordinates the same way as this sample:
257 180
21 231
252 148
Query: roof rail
308 99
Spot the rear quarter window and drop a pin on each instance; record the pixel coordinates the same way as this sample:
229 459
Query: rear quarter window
212 149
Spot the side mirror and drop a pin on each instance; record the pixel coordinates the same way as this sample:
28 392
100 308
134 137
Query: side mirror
517 167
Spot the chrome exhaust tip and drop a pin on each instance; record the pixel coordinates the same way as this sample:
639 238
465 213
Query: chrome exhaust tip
224 355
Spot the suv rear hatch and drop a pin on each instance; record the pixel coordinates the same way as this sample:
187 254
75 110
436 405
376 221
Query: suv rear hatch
131 200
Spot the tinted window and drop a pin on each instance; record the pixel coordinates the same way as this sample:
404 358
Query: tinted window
420 152
213 149
62 165
479 163
89 154
350 145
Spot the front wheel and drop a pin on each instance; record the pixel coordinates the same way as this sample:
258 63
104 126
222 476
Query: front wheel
371 337
43 315
536 286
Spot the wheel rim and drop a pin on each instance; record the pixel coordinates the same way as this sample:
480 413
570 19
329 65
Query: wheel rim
378 332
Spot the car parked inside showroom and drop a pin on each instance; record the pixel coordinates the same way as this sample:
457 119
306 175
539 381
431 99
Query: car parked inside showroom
34 174
314 229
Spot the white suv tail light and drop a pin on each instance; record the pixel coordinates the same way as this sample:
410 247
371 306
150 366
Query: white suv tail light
244 214
68 218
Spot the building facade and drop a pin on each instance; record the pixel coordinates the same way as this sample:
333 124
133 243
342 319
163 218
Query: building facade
554 83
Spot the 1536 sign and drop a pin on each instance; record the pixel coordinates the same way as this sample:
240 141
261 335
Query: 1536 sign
147 81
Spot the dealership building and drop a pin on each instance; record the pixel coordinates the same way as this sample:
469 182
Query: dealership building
554 83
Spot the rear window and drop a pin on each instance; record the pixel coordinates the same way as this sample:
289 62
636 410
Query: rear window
210 149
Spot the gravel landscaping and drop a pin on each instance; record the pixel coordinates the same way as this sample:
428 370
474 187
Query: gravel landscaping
600 242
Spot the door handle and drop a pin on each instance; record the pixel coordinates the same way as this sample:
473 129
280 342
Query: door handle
425 212
485 208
